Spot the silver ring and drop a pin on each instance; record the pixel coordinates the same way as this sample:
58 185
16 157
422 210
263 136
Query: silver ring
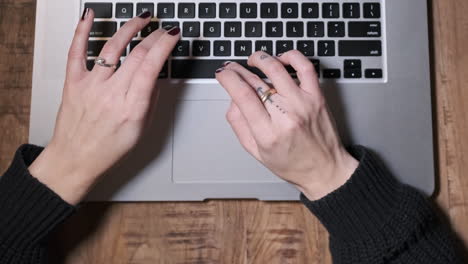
102 62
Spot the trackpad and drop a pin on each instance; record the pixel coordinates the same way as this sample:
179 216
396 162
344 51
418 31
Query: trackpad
206 149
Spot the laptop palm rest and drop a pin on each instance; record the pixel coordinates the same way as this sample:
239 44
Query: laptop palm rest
206 150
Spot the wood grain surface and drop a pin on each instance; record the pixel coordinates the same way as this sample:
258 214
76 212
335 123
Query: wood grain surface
236 231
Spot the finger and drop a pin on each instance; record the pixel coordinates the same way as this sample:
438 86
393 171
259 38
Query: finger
275 71
76 65
136 56
245 98
305 70
274 104
114 47
241 128
144 81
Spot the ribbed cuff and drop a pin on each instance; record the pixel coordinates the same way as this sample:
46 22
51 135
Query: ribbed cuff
370 204
29 210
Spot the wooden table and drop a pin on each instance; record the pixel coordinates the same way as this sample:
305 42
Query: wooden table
231 231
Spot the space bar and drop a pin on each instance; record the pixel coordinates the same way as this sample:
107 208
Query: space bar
188 69
205 69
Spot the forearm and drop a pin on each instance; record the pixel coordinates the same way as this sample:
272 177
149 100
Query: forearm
29 211
375 219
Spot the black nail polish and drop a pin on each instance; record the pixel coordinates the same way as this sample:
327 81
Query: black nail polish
219 70
85 13
174 31
145 14
226 63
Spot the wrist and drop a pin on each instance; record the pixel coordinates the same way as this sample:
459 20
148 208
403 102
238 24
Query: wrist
60 173
330 179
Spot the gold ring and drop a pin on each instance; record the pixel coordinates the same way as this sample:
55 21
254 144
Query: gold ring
266 95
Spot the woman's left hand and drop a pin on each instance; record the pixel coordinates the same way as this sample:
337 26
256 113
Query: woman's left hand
103 112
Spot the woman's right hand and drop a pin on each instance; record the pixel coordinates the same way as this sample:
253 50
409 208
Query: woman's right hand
293 133
103 112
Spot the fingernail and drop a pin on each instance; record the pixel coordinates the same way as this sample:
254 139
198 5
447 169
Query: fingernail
145 14
279 55
85 13
174 31
226 63
219 70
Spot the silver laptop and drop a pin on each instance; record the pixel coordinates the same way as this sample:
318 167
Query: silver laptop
372 57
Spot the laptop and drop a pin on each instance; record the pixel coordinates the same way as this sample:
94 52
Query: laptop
372 57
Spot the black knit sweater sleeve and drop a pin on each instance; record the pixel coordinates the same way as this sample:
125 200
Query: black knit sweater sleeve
29 211
375 219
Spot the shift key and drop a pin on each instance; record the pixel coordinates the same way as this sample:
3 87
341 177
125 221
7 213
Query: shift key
359 48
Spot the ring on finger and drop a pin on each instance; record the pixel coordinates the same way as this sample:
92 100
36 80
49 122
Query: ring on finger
267 94
102 62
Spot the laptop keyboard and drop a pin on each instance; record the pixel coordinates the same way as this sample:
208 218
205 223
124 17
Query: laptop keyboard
344 40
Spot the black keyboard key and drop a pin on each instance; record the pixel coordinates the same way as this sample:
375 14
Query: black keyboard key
352 73
265 46
295 29
95 47
372 10
103 29
248 10
351 10
201 48
204 69
316 64
181 49
143 7
289 10
332 73
310 10
336 29
164 73
222 48
316 29
227 10
360 48
364 29
90 64
101 10
352 64
150 28
326 48
186 10
232 29
374 73
124 10
170 24
306 47
253 29
133 44
330 10
283 46
166 10
268 10
274 29
187 69
242 48
207 10
191 29
212 29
